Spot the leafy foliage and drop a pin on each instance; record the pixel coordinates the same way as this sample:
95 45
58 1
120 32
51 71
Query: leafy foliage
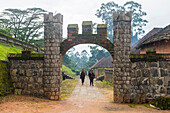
161 102
5 30
25 24
138 22
97 54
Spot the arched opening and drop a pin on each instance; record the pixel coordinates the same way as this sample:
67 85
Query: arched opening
102 67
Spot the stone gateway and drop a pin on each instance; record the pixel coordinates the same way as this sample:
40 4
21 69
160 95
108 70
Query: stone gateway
136 77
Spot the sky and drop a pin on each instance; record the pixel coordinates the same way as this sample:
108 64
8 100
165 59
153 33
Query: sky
76 11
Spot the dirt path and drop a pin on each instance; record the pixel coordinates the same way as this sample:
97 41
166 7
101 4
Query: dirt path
84 99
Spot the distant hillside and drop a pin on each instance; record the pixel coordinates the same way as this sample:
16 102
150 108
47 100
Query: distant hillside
68 71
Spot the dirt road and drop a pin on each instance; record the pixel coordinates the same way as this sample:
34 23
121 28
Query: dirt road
84 99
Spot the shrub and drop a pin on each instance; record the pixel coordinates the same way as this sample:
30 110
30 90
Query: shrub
161 102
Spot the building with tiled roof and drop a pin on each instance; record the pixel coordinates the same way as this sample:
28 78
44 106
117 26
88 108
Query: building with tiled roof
158 38
104 67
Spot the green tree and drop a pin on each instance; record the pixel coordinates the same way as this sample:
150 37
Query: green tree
25 25
5 30
138 22
97 53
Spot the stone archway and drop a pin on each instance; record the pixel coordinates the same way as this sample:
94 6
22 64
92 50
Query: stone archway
80 39
54 49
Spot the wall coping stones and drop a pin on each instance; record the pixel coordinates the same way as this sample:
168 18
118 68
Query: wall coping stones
149 56
101 25
87 23
73 26
18 42
26 55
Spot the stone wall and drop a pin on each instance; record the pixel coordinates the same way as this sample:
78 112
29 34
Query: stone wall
26 71
10 40
5 78
108 75
150 79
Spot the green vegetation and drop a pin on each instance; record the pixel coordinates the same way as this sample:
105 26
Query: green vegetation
5 80
108 83
161 102
68 86
132 105
5 30
147 105
27 25
68 71
5 50
138 17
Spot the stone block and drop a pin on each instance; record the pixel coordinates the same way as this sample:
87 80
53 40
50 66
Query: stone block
18 91
31 79
30 86
39 80
28 72
15 79
52 97
154 72
57 97
14 72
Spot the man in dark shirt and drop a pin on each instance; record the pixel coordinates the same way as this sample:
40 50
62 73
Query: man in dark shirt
82 76
91 77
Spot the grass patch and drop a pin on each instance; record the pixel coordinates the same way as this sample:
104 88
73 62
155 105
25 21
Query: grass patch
147 105
132 105
68 86
106 89
5 50
68 71
108 83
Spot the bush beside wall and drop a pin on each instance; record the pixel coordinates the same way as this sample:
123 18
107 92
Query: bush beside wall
5 79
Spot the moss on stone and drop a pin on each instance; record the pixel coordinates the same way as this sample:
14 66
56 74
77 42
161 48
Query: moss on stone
87 23
72 26
32 56
150 56
5 79
102 26
5 35
161 102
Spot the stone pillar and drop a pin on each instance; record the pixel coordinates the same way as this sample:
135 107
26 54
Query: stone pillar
52 64
121 59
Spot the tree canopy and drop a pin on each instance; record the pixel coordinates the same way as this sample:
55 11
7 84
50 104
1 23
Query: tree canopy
25 24
138 22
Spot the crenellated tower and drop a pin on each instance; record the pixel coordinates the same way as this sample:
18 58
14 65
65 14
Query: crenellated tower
121 59
53 29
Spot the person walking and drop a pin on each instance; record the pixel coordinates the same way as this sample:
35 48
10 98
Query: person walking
91 77
82 76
